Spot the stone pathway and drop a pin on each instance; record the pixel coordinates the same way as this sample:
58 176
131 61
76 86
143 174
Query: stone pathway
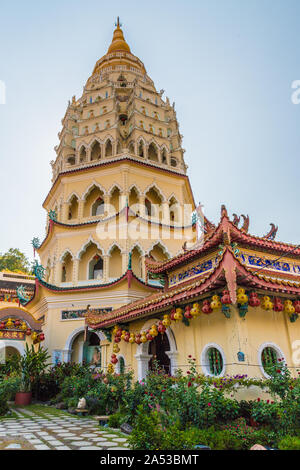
43 430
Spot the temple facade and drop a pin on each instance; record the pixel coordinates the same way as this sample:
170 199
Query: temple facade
131 272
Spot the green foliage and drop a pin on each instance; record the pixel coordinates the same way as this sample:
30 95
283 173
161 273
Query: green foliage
14 260
32 364
289 443
115 420
8 388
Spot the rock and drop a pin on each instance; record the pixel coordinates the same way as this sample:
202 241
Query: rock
125 427
60 406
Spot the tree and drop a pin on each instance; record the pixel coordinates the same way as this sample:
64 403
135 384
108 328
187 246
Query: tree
14 260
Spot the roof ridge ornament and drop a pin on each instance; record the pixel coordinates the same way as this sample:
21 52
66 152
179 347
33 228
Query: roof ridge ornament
272 232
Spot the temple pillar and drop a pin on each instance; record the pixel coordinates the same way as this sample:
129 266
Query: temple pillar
105 267
75 271
80 208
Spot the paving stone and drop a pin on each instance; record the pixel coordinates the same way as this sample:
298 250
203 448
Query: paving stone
13 446
55 443
71 438
41 447
110 435
80 443
88 435
98 439
117 448
62 448
35 441
89 448
108 444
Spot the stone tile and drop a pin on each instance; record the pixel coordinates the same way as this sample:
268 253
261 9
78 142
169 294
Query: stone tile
13 446
62 448
41 447
55 443
35 441
98 439
80 443
110 435
108 444
88 435
89 448
120 439
117 448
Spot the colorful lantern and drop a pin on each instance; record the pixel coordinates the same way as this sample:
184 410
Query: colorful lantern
161 327
278 305
117 339
34 336
178 314
187 312
195 310
289 307
41 337
216 303
2 325
138 338
144 337
9 323
28 332
266 303
242 298
116 348
254 300
166 321
225 299
206 308
172 314
132 338
297 306
17 323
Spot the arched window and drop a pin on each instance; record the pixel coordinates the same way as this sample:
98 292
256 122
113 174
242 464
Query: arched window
121 365
73 208
152 152
63 274
148 207
141 149
164 156
71 160
96 151
269 358
173 161
98 207
108 149
131 148
82 155
96 268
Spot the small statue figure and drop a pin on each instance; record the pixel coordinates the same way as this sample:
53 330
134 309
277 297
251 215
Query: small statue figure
81 404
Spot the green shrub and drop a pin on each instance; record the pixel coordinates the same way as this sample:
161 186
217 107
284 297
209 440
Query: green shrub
289 443
8 388
115 420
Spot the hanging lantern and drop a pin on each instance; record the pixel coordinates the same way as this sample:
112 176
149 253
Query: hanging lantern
138 338
119 332
289 307
41 337
161 327
115 329
297 306
132 338
23 326
17 323
266 303
149 336
195 310
34 336
116 348
254 300
278 305
153 331
166 321
127 337
172 314
143 338
187 312
124 332
178 314
2 325
206 308
110 369
225 299
242 298
117 339
28 332
216 303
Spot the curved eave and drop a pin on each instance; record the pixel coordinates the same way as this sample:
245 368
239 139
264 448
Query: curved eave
126 276
220 277
114 162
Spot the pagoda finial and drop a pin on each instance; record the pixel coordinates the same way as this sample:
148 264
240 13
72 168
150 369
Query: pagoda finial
118 24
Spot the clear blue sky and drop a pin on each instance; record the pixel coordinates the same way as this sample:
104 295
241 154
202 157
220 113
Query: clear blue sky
228 65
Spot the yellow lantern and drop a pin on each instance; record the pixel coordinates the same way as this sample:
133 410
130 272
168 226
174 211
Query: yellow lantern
289 307
266 303
195 310
23 326
110 369
216 303
166 321
178 314
242 298
124 332
34 336
116 348
132 338
143 337
115 329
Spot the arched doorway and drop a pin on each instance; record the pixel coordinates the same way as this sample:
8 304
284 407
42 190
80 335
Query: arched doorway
168 347
11 351
78 350
158 348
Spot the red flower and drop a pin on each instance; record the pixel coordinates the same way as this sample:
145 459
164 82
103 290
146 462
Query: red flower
163 390
208 404
189 384
188 372
258 399
190 355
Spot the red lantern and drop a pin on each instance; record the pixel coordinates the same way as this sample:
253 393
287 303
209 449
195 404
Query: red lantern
161 328
41 337
297 306
278 305
138 339
225 299
149 337
206 308
114 360
2 325
117 339
119 332
187 312
17 323
254 300
28 332
126 337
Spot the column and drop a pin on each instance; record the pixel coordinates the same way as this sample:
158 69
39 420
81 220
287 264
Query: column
105 267
75 271
143 364
65 211
80 208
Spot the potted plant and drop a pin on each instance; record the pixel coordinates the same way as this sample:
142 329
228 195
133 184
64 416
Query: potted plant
32 364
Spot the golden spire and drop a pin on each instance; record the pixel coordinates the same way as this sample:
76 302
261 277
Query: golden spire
118 42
